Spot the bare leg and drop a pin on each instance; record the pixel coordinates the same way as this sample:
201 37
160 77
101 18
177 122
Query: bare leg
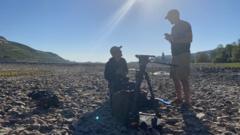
178 89
187 92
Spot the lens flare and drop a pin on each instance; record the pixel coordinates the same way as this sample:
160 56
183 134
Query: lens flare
120 14
117 18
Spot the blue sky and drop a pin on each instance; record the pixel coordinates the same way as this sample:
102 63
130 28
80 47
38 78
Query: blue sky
84 30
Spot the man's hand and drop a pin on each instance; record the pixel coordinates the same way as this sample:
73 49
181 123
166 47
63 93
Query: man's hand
168 37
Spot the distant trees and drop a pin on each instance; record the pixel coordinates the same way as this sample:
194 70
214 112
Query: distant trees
163 57
202 58
219 55
229 53
236 54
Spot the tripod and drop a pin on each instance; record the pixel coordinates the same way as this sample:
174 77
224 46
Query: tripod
142 74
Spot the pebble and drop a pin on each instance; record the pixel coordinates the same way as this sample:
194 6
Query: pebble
200 115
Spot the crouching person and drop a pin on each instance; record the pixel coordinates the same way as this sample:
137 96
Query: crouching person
116 71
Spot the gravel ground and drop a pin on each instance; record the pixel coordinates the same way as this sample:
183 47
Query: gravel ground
84 110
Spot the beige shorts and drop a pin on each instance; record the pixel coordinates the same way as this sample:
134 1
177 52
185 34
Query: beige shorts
182 68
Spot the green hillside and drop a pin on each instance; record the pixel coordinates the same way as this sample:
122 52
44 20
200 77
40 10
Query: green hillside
16 52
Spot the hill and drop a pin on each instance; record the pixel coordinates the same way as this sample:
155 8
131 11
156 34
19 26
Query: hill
15 52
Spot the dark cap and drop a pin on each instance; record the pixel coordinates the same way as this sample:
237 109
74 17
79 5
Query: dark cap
115 49
172 13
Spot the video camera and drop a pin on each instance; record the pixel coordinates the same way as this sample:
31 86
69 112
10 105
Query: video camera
144 60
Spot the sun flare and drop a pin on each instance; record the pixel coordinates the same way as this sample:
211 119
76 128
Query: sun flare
146 6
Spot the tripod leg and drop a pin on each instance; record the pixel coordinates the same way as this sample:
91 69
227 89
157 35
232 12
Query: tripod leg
156 108
139 79
149 85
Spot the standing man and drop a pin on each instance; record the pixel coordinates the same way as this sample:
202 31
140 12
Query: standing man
180 39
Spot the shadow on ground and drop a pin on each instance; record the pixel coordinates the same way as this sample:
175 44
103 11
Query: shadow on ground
99 122
193 125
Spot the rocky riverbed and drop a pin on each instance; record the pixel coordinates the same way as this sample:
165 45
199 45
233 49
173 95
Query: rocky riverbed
84 109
